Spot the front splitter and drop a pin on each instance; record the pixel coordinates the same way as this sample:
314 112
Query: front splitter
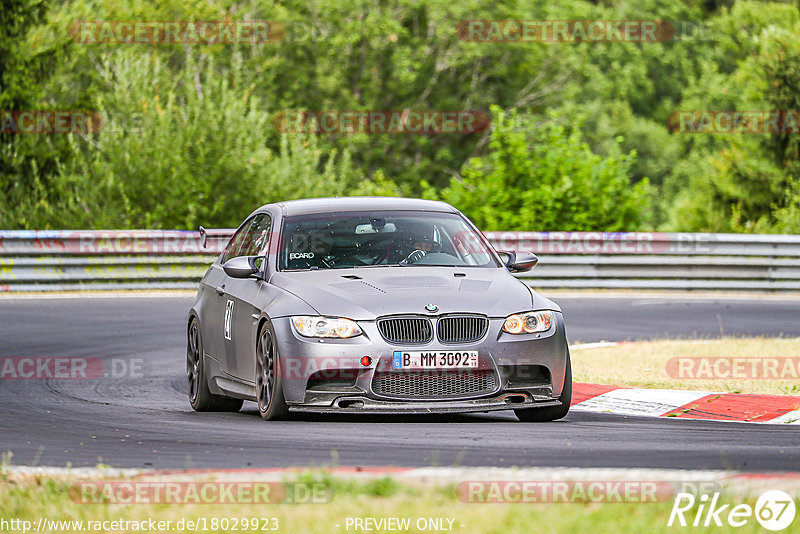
363 405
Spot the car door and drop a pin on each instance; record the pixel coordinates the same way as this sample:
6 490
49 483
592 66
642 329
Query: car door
241 311
218 320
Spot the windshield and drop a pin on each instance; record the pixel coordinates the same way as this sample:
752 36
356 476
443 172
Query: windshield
365 239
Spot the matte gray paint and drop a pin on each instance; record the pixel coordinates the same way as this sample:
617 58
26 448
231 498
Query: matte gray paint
378 291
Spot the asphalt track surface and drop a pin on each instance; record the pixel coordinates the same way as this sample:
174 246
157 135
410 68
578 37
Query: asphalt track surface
147 422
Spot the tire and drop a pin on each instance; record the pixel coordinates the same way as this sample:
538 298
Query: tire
551 413
269 385
200 397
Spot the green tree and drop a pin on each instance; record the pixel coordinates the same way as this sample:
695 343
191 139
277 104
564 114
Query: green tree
741 183
788 216
22 158
176 152
542 176
206 148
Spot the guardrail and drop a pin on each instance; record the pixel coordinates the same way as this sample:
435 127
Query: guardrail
644 260
115 259
143 259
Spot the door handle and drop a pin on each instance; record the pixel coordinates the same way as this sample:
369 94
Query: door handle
220 290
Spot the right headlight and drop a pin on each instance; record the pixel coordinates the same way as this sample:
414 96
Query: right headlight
313 326
528 323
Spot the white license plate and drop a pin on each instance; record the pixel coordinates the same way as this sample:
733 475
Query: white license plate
435 359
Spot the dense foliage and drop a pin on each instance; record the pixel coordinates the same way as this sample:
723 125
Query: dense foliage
582 134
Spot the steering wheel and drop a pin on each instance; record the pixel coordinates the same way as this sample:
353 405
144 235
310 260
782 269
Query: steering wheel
415 256
334 261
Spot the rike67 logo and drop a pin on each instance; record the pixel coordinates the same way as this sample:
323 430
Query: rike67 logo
774 510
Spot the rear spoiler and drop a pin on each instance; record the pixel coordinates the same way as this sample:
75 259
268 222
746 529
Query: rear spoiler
203 237
214 232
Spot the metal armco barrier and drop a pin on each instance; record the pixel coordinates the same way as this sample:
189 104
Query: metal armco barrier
652 260
144 259
105 260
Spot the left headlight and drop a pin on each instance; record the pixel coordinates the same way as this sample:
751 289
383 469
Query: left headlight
528 323
311 326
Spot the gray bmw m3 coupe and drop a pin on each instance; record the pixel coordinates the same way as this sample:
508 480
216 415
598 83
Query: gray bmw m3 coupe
373 305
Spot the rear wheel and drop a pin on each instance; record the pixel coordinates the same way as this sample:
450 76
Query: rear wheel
269 386
551 413
200 397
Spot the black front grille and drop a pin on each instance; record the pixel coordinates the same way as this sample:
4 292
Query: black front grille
406 330
462 329
432 384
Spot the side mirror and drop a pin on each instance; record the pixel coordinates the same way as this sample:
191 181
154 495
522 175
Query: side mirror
518 262
244 267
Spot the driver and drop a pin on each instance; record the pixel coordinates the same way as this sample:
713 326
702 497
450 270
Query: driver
422 244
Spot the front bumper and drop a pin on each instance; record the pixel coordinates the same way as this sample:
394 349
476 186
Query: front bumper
528 371
362 404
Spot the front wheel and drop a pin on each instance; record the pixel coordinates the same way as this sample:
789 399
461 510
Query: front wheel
551 413
201 399
269 386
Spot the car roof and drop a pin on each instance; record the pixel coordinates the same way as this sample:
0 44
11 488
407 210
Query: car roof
335 204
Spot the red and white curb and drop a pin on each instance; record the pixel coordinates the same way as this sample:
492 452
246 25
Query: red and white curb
686 404
739 407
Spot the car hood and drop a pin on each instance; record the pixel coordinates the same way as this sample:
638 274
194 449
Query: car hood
367 293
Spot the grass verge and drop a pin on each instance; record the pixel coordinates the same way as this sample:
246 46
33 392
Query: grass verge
45 497
729 365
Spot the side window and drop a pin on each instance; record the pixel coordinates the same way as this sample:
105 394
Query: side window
235 244
257 236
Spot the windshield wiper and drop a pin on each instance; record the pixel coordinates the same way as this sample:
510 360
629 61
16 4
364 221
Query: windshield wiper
406 264
376 265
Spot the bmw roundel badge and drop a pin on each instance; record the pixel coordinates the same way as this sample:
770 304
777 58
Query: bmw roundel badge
432 308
